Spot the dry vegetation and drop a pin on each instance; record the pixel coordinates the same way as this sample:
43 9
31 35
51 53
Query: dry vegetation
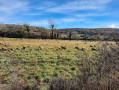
33 64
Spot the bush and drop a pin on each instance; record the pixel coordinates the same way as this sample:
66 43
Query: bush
97 73
17 34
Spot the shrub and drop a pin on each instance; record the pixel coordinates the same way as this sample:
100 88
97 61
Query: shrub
97 73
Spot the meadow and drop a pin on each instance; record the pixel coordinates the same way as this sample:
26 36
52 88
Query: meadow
26 61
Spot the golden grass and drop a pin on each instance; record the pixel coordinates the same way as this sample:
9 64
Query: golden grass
46 63
49 42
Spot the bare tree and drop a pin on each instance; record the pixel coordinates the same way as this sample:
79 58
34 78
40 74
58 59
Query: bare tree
52 26
51 23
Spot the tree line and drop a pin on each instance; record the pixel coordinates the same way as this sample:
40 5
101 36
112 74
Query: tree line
27 31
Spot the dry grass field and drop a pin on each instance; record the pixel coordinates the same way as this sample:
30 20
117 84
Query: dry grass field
43 60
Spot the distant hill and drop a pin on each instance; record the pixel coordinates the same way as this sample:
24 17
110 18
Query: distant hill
96 29
16 27
26 31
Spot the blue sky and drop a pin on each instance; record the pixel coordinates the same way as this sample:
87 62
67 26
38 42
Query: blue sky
64 13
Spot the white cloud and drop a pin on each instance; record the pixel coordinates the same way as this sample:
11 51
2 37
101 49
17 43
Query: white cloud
70 20
76 5
113 26
39 23
8 7
3 19
46 5
45 22
90 14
